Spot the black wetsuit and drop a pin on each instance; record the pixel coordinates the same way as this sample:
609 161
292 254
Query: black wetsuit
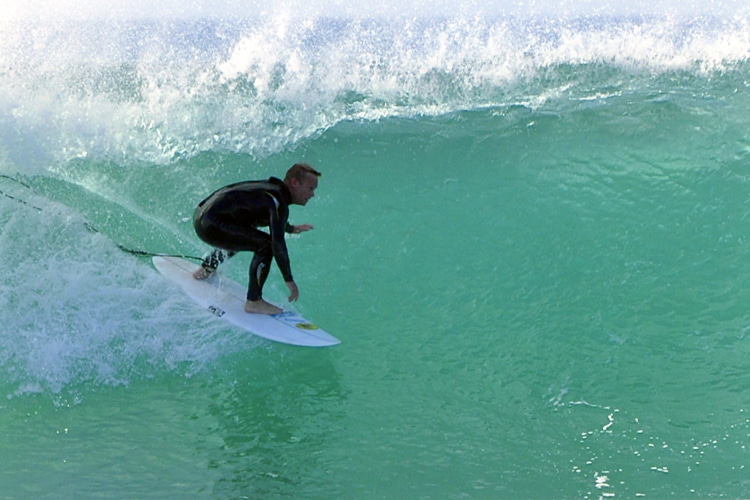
229 219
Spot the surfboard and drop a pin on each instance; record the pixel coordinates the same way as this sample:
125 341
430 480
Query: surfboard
226 299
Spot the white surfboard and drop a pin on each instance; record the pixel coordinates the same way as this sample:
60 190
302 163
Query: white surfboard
226 299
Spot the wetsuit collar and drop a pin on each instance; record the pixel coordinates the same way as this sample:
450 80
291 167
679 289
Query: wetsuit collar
283 189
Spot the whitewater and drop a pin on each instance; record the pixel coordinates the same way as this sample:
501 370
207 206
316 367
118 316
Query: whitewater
530 236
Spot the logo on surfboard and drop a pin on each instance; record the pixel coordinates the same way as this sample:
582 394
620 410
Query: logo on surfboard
217 311
306 326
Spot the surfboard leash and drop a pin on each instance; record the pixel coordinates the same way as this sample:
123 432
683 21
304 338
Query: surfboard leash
90 227
143 253
19 200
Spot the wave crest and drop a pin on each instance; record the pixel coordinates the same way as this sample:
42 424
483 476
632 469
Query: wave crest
161 91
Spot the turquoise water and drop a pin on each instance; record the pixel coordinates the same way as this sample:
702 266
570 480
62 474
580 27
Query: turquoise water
529 236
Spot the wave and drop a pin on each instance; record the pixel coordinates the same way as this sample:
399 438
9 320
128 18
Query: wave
87 107
159 91
77 314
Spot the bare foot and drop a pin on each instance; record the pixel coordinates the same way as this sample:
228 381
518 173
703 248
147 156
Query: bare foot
261 307
202 273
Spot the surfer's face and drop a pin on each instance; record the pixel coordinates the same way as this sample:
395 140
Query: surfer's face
303 190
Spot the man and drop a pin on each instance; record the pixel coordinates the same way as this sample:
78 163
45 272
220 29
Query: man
229 220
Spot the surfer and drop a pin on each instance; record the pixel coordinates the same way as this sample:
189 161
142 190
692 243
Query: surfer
229 219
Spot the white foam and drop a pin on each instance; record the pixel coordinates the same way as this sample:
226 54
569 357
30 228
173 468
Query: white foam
158 92
76 310
139 9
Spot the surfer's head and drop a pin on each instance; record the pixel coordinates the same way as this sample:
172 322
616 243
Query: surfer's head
301 180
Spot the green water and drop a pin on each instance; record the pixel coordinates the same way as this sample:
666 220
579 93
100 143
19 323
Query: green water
534 301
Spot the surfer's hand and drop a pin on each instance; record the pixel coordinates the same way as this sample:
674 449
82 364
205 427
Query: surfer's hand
293 289
302 228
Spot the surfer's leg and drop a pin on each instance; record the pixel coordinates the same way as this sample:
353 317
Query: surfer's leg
259 268
211 261
218 235
240 239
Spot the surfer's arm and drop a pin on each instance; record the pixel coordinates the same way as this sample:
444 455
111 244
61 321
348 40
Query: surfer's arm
277 226
282 260
281 254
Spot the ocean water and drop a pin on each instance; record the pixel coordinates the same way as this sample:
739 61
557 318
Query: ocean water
530 236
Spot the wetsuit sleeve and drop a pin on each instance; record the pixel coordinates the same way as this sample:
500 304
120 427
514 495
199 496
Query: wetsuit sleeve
277 225
289 228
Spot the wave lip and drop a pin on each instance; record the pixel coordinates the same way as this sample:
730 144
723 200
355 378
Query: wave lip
158 91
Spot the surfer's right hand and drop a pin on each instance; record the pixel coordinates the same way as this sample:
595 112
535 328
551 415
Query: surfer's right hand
294 291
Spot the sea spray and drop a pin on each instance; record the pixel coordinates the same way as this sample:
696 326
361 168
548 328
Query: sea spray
163 90
529 235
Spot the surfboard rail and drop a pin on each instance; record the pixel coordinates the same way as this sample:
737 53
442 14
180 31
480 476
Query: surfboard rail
225 299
